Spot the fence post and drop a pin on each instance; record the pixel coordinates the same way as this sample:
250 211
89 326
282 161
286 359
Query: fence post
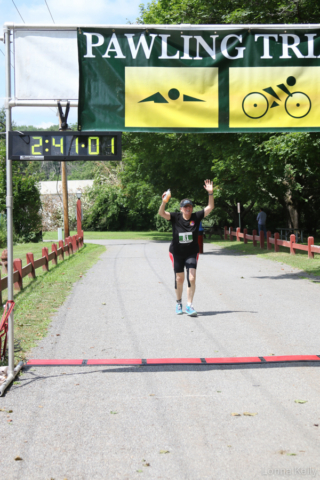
254 240
292 241
61 245
238 231
261 239
70 246
268 240
74 243
30 259
4 261
245 231
310 242
17 266
55 250
0 290
276 238
45 253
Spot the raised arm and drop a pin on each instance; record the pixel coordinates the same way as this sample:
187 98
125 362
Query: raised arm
208 185
162 212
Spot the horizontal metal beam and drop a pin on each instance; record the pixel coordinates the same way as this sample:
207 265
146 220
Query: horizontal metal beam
26 26
14 102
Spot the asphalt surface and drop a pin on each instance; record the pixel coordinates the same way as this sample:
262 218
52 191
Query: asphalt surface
171 422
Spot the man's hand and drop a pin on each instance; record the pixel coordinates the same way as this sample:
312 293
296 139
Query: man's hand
208 185
162 212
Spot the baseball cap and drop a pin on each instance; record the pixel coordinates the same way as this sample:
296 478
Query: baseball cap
185 202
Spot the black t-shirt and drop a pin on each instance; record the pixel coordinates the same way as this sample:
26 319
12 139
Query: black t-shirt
185 233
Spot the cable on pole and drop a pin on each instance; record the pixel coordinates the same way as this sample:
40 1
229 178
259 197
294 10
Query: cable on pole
18 11
49 11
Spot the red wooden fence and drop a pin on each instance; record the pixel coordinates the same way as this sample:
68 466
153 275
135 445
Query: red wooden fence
291 244
71 245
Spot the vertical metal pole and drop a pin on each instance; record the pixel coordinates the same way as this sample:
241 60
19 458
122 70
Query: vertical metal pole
9 202
64 181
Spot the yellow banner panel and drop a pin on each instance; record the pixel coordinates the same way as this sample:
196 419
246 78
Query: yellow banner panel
171 97
274 97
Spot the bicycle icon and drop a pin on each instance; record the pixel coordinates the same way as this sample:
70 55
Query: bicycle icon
297 104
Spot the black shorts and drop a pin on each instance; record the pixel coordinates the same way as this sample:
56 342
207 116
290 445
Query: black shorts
180 263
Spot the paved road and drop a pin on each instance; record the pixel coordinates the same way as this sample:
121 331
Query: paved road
171 422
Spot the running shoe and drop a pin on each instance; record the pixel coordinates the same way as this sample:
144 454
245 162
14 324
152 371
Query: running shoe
179 309
191 311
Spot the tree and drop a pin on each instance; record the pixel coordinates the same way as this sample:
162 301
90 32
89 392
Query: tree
277 171
26 195
229 11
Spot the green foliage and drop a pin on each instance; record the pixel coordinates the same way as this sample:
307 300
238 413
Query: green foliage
229 11
26 195
276 171
117 208
3 231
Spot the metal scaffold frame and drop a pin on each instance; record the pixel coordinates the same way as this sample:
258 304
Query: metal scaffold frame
11 102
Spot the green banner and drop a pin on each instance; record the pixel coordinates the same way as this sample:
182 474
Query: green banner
199 79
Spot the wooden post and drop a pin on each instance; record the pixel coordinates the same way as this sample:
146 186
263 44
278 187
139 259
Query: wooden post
61 245
4 261
30 259
64 181
276 238
238 231
55 250
310 242
292 241
45 253
254 240
65 197
17 266
261 239
268 240
245 231
0 290
79 219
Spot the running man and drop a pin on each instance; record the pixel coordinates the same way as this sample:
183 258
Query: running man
184 248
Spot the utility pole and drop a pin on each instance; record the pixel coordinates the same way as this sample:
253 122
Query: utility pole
64 180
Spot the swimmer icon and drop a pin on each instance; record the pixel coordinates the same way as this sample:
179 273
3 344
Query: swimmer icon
297 104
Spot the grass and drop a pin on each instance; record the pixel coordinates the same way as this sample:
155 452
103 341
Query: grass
160 236
300 260
41 296
20 251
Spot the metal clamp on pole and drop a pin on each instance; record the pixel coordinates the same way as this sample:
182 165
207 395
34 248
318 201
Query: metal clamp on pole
9 202
63 116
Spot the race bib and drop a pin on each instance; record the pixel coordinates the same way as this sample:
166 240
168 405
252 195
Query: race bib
186 237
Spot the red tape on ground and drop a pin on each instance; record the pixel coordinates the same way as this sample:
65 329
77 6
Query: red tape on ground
176 361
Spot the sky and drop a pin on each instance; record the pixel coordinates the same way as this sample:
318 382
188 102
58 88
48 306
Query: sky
71 12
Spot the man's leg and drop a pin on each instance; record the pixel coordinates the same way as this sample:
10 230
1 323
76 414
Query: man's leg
191 265
179 284
191 276
178 269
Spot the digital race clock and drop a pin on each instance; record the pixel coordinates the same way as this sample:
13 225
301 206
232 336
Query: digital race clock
64 145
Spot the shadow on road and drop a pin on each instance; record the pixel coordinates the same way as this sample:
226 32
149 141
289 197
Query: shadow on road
208 314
